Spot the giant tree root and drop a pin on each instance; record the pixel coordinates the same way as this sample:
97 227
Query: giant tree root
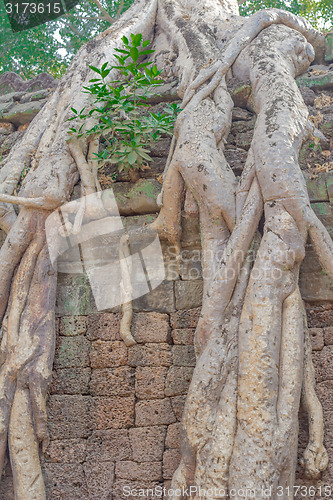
245 392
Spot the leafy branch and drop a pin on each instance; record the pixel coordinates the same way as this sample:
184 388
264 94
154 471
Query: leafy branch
128 128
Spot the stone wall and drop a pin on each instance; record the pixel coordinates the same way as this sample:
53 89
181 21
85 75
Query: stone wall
114 411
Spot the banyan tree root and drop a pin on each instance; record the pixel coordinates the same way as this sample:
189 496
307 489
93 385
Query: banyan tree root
270 336
243 318
27 351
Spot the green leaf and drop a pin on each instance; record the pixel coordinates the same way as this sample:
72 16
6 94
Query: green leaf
122 51
146 43
132 157
95 69
105 73
125 40
134 53
145 52
136 39
144 155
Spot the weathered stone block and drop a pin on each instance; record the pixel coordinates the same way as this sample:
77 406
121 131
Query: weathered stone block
185 319
151 328
178 403
22 113
328 429
5 107
236 157
154 412
325 213
322 361
66 451
65 481
104 326
328 335
109 445
108 354
329 47
161 148
173 436
150 355
74 296
239 114
12 96
324 392
138 198
316 82
188 294
310 263
71 381
147 471
112 412
317 188
316 287
178 380
320 315
68 416
329 186
240 95
183 336
317 338
190 238
191 268
71 326
100 478
171 460
147 443
36 96
308 96
112 382
161 299
149 382
72 352
183 355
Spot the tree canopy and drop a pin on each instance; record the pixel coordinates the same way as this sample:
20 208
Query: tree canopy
51 46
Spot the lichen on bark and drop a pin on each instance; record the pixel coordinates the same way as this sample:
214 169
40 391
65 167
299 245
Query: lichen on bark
240 423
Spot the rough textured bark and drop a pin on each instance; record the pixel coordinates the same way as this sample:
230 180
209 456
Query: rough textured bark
240 422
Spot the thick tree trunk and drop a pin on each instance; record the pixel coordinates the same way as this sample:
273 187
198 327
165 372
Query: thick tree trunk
243 401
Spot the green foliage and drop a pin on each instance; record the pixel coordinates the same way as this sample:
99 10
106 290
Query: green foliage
318 12
51 46
127 126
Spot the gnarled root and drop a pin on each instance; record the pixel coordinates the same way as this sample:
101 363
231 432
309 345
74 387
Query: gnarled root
27 349
315 459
